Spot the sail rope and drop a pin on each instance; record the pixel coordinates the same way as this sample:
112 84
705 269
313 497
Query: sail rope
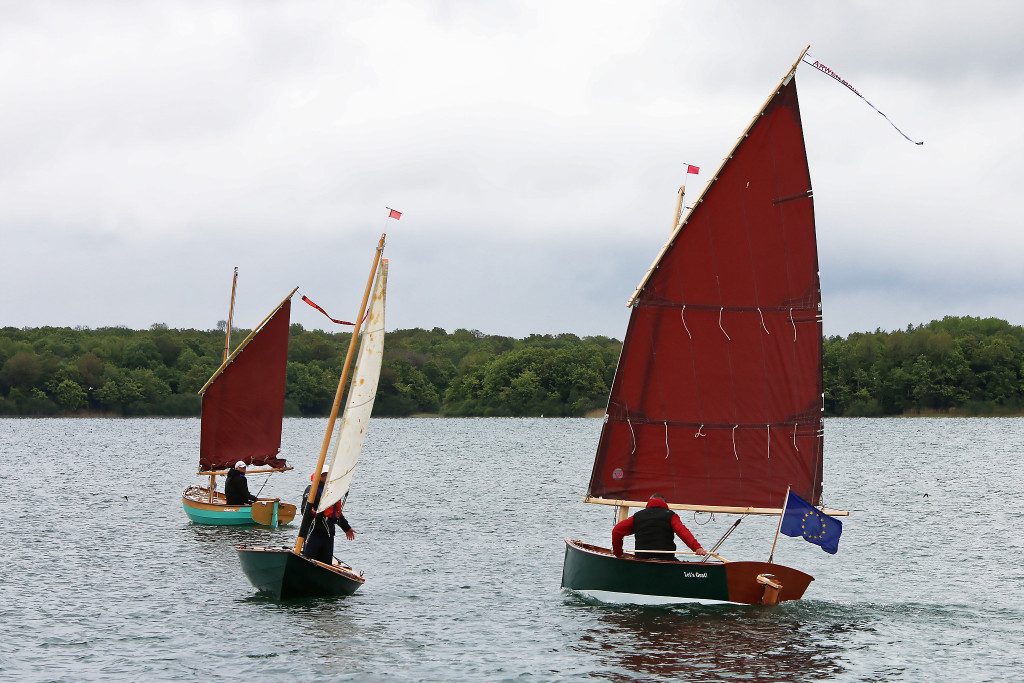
794 438
720 324
791 322
769 441
711 517
700 431
762 321
734 442
667 451
682 314
632 433
263 486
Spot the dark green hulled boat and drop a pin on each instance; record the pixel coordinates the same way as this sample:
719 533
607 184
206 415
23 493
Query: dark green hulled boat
716 403
286 574
597 572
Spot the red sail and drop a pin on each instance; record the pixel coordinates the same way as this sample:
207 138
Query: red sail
244 405
717 399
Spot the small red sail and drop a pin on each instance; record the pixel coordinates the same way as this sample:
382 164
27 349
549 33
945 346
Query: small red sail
243 407
717 399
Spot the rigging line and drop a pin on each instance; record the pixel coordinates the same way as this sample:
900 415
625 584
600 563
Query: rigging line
792 323
762 321
264 486
632 433
720 324
682 314
769 442
734 443
667 451
794 438
700 431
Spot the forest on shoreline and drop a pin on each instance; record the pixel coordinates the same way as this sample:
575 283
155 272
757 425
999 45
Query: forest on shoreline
953 366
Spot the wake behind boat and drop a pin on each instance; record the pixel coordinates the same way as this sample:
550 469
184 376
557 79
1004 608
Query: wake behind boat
283 571
717 399
243 405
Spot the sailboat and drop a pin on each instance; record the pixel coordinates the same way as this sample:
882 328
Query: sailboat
283 571
717 400
243 405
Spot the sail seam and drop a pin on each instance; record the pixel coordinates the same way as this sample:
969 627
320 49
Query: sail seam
810 307
811 428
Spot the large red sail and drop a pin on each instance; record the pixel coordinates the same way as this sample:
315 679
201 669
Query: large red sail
244 405
717 399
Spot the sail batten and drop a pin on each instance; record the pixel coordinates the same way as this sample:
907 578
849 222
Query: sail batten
243 404
717 397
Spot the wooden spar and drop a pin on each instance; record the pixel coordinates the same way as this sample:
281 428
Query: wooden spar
227 361
779 527
231 313
341 382
707 508
714 176
621 512
679 207
221 473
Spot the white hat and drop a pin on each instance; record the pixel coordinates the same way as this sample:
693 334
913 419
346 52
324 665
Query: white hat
326 469
240 465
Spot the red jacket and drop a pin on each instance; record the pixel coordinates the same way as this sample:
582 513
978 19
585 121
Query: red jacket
625 528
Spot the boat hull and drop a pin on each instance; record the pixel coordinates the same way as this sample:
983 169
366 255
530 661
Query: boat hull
195 501
286 574
597 572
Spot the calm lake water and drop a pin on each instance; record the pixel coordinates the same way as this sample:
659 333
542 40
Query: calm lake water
460 526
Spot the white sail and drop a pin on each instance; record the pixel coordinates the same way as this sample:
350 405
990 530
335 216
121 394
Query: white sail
362 392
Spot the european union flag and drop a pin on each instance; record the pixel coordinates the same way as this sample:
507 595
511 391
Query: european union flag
800 518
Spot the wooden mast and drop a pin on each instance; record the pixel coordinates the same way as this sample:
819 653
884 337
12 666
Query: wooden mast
231 313
341 383
227 350
679 207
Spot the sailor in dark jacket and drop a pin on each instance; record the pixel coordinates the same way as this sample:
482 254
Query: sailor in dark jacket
236 489
318 527
654 527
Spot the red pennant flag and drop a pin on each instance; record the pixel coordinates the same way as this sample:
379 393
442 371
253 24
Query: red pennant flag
310 302
394 214
692 169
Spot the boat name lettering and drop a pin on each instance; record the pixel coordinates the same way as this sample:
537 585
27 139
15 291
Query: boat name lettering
695 575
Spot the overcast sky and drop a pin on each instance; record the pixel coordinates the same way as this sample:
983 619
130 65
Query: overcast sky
534 148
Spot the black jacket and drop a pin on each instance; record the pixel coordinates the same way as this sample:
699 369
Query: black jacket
236 489
652 528
322 523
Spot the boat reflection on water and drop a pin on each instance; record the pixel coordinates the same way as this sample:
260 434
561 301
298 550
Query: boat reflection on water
719 643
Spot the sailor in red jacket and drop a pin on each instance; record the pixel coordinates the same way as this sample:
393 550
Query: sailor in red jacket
654 527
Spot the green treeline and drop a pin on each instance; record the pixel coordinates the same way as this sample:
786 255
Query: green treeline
951 366
117 371
964 366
